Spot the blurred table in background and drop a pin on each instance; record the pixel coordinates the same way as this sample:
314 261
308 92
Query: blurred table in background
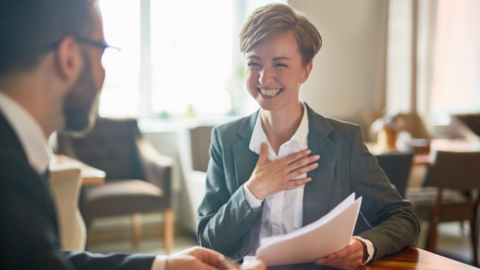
453 145
407 259
90 175
450 145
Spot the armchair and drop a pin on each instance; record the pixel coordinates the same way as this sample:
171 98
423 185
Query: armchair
138 178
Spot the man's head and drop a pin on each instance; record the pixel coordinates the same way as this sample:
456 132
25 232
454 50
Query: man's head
58 45
280 18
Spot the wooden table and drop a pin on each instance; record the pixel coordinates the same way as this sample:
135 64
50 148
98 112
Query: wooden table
407 259
90 175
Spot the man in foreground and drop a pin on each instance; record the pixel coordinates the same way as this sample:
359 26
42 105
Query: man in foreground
50 78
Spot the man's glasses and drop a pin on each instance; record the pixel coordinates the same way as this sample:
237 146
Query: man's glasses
109 53
99 44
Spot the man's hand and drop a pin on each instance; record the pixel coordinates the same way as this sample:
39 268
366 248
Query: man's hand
195 258
271 177
350 257
199 258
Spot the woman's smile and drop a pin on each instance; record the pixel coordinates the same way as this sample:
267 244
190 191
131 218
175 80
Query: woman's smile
269 93
274 73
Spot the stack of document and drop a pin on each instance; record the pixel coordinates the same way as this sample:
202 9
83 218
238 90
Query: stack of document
330 233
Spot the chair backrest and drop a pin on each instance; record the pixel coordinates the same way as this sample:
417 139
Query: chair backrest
397 168
65 185
193 146
110 146
472 121
200 138
455 170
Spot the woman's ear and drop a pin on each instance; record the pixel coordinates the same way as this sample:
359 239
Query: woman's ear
68 60
307 71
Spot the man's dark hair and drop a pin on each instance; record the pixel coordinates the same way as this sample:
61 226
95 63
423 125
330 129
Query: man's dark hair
30 28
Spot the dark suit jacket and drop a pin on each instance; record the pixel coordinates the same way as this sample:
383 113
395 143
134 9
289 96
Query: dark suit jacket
228 224
28 223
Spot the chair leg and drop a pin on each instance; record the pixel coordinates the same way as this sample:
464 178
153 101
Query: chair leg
136 229
169 230
474 234
432 236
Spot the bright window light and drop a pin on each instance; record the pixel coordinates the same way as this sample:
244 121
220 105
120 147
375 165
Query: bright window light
189 45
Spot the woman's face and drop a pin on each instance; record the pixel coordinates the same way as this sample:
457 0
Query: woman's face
275 72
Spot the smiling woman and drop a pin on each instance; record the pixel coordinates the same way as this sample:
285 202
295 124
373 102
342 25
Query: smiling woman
265 176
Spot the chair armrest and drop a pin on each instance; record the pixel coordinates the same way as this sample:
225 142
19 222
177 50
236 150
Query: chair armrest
157 167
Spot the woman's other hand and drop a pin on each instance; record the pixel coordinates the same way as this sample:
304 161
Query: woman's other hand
271 177
350 257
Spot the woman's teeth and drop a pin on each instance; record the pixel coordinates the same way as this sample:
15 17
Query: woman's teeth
270 93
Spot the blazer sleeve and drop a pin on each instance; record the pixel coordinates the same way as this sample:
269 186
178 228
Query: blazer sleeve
28 235
120 261
394 225
225 217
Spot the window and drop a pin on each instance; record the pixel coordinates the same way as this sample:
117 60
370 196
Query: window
175 59
456 87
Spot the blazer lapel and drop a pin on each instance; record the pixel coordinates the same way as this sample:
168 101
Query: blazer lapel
317 192
245 160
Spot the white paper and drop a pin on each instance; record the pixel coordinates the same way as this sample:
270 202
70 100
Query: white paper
330 233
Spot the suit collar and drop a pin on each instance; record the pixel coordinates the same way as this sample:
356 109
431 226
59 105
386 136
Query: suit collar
259 136
9 142
245 130
28 132
317 122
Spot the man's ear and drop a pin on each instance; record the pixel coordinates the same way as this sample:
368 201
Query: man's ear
307 71
69 59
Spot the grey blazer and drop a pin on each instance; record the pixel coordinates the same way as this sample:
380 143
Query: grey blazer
229 225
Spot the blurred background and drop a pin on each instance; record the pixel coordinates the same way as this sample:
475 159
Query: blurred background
180 72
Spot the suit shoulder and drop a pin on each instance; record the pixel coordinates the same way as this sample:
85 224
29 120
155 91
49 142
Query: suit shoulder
229 129
336 124
343 125
231 126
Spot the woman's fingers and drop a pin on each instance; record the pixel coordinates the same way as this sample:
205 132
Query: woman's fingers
299 182
271 177
302 162
294 157
347 258
301 171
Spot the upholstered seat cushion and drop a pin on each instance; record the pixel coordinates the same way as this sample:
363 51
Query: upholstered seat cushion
122 198
453 204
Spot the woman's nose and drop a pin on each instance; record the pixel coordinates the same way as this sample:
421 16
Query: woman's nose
266 77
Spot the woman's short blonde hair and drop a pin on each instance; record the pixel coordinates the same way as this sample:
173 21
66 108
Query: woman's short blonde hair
280 18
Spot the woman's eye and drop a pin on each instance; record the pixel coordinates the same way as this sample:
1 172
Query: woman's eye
252 64
280 65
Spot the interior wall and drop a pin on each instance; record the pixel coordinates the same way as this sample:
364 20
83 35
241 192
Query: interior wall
348 76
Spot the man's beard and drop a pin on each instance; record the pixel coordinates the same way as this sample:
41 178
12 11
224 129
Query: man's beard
81 103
